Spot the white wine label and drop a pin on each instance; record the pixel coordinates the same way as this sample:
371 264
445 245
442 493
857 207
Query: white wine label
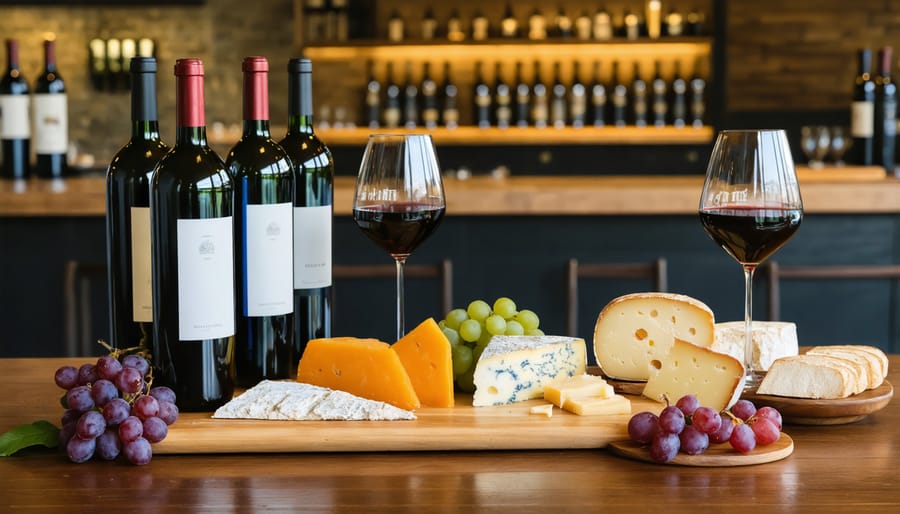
312 247
14 121
269 264
51 124
862 119
141 286
205 278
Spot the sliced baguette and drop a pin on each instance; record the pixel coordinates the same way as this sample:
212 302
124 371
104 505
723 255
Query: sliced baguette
810 376
870 361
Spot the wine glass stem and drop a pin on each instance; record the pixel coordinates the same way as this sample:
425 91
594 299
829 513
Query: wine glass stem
401 304
749 375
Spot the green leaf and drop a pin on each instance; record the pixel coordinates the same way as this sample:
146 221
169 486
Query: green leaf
41 433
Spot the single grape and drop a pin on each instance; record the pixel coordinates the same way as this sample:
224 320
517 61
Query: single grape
693 441
90 425
706 420
442 324
66 377
129 380
116 411
155 429
102 391
476 353
688 404
664 446
528 319
462 359
770 413
79 398
87 374
671 420
137 362
484 339
466 381
455 317
108 444
478 310
742 438
138 451
163 394
495 324
108 367
168 412
765 430
130 429
80 450
505 307
534 332
470 330
145 407
642 427
514 328
65 433
743 409
70 416
451 335
723 434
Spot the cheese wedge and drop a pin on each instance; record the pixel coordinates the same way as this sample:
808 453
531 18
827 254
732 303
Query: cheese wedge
425 354
617 404
770 340
365 367
637 329
579 386
543 410
809 376
715 378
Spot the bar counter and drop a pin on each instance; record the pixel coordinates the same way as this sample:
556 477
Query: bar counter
840 468
847 190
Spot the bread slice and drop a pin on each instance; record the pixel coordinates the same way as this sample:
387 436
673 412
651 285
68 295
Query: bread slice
880 355
870 361
810 376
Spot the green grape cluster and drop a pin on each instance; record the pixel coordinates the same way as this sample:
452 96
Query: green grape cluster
470 329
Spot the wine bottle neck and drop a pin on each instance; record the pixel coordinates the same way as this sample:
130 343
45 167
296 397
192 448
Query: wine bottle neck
256 128
300 124
190 136
143 97
12 54
145 130
50 55
300 102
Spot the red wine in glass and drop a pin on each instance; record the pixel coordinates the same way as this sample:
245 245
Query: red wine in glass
398 227
749 233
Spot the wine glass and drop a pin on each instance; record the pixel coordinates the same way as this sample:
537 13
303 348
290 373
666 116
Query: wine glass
750 206
840 143
399 198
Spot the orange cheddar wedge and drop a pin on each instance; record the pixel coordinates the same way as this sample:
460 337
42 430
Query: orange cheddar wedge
425 353
365 367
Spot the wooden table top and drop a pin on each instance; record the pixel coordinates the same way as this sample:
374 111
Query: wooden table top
847 468
859 190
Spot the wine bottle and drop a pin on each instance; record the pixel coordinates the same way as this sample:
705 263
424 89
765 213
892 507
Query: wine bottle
598 97
429 25
502 98
558 98
638 97
313 212
660 103
481 93
522 98
128 215
263 235
654 19
410 100
430 115
679 98
191 213
695 22
885 132
698 97
537 26
15 126
449 93
396 30
583 25
562 24
50 116
632 25
862 112
509 26
674 23
577 98
602 29
373 97
540 108
481 27
454 27
619 97
392 99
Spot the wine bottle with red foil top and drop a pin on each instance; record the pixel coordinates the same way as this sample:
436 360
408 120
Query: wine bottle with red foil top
264 251
313 211
15 126
128 215
862 112
191 213
50 118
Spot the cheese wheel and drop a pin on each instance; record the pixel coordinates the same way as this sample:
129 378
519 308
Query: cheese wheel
770 340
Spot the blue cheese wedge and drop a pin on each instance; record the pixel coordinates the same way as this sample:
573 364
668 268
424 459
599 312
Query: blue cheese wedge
516 368
305 402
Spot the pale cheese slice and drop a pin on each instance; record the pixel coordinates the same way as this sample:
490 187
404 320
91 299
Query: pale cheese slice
809 376
875 352
617 404
543 410
579 386
716 379
869 361
770 340
636 329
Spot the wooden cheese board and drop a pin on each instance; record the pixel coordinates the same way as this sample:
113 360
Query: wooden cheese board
718 455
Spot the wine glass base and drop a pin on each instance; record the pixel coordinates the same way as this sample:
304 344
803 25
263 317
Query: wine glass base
752 379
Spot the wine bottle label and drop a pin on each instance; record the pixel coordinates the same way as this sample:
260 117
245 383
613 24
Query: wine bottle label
141 285
205 278
51 124
14 122
269 261
312 247
862 116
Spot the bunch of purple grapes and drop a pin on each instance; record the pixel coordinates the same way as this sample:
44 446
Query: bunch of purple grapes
690 428
112 410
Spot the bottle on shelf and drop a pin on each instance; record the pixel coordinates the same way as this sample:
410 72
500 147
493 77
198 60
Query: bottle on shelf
392 100
631 25
263 235
430 115
577 98
481 93
50 117
695 23
192 241
698 97
885 126
373 97
862 112
540 108
410 100
537 26
509 26
638 97
660 96
396 30
583 26
603 26
455 27
502 98
339 18
654 19
481 27
598 97
562 24
558 98
674 25
449 94
429 25
619 97
313 169
522 98
128 215
679 98
15 123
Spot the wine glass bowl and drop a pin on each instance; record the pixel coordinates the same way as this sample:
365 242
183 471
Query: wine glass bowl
840 143
750 205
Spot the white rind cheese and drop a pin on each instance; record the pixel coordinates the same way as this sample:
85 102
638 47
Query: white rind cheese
809 376
304 402
516 368
770 339
715 378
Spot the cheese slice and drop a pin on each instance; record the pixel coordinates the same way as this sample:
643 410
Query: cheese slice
365 367
872 377
301 402
425 354
637 329
516 368
809 376
617 404
770 340
579 386
715 378
543 410
871 350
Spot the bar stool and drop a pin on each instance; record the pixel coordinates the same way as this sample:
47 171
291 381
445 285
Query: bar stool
655 271
441 270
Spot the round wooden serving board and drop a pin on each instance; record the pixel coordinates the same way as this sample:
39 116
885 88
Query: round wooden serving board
804 411
718 455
